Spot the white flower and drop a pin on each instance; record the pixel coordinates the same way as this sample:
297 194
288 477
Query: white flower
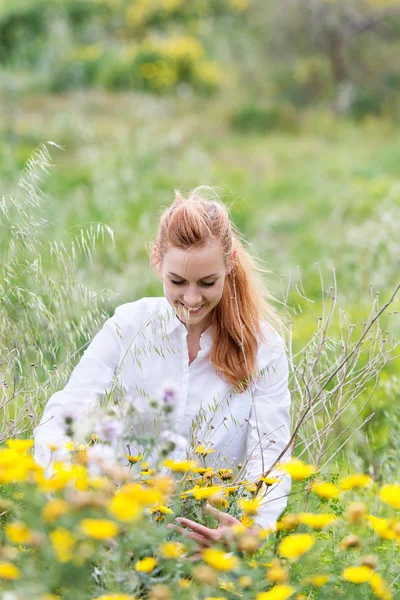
169 392
109 429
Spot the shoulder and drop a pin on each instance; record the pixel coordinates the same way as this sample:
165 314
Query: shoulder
137 314
271 346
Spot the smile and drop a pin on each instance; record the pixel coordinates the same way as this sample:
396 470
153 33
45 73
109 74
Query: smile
192 311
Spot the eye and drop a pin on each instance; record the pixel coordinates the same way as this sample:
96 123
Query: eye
208 284
177 282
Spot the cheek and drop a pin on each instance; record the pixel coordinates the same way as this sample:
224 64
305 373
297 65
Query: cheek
169 291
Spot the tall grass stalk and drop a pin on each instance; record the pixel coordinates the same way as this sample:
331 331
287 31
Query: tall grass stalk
44 308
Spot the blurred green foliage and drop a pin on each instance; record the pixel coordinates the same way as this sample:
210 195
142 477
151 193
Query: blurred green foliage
293 54
140 44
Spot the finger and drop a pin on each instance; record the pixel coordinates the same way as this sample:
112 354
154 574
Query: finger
193 536
222 517
201 529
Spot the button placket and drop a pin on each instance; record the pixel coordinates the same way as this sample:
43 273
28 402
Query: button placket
183 396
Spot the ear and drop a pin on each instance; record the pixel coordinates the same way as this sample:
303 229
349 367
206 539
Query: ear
157 258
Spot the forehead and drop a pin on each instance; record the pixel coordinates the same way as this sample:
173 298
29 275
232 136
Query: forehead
195 263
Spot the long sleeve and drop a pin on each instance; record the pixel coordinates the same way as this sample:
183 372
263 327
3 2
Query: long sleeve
270 415
90 380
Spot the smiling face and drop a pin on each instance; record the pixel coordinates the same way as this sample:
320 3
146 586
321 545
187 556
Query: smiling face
193 281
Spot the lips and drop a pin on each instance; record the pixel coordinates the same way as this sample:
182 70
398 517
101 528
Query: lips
192 312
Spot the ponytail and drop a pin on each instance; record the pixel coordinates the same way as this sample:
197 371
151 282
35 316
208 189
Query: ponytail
236 321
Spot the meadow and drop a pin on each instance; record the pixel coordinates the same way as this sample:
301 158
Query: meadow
320 206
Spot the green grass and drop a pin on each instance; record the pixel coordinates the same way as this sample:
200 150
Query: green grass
313 196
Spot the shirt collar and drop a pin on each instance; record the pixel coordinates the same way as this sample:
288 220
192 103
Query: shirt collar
171 322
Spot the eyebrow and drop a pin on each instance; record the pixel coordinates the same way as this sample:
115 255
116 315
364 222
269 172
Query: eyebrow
206 277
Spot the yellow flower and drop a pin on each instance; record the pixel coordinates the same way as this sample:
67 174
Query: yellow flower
20 445
287 523
250 506
115 597
279 592
184 584
99 529
245 581
380 587
18 533
277 573
133 459
206 492
297 469
219 502
357 574
295 545
390 494
383 527
63 543
225 474
220 560
269 480
325 489
146 564
180 466
172 549
54 509
359 480
202 451
318 521
164 510
9 571
317 580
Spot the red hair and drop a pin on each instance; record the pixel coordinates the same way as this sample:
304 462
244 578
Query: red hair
236 320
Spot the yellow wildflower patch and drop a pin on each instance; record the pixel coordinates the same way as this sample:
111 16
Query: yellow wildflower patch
277 573
360 574
295 545
63 543
99 529
20 445
146 565
55 508
316 521
172 550
9 571
380 587
18 533
115 597
383 527
297 469
200 493
203 451
325 489
250 506
220 560
390 494
133 459
359 480
180 466
279 592
317 580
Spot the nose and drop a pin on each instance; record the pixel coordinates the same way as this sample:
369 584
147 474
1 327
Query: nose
192 297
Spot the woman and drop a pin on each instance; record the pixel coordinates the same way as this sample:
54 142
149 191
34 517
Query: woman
215 336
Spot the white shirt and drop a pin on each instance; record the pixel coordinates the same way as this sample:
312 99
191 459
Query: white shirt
143 345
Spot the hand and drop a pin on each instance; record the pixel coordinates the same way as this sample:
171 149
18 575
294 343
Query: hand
206 537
